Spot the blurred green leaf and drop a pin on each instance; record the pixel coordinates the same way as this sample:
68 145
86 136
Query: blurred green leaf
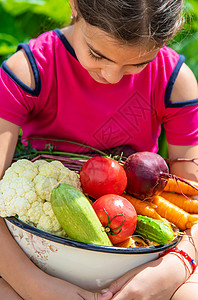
22 20
7 44
57 10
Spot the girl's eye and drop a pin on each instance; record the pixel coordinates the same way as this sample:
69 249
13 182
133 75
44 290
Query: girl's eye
141 66
94 56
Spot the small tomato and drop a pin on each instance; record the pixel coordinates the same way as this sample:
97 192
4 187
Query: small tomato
102 175
117 215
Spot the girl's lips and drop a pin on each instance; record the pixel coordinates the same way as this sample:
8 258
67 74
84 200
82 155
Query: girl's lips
100 79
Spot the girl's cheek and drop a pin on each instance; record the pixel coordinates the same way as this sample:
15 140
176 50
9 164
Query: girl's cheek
88 63
134 71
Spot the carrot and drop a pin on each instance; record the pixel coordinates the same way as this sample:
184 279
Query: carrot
133 242
187 203
143 208
177 186
173 213
126 243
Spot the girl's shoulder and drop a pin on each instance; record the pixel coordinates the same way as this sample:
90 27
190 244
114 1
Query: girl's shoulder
185 88
182 82
20 66
33 60
22 62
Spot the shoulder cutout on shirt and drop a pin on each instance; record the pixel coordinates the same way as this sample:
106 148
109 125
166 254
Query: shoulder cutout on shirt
185 86
19 64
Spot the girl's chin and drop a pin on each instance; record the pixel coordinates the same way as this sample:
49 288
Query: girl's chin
98 78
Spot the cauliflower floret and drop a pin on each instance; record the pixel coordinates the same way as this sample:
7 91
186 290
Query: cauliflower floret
69 177
40 162
25 191
19 186
49 170
35 212
22 168
13 197
32 197
21 206
44 186
8 193
47 208
6 207
49 224
57 164
48 221
9 174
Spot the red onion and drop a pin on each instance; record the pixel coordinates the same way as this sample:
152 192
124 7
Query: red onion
147 174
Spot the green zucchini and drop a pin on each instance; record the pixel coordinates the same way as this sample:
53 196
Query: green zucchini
77 216
154 230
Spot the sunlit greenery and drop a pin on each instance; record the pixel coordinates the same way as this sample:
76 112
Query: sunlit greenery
21 20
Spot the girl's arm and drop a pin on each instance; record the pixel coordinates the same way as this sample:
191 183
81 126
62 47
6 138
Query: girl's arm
16 268
185 88
22 277
154 280
8 139
29 281
159 279
188 170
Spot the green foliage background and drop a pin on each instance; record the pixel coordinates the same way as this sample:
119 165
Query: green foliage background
21 20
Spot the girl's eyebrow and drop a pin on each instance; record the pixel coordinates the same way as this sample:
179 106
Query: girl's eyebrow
103 56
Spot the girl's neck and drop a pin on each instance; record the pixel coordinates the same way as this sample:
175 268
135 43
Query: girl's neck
68 33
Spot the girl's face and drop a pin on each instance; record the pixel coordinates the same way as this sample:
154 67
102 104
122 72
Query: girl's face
106 60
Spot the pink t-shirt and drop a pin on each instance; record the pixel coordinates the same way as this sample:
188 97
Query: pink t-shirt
67 104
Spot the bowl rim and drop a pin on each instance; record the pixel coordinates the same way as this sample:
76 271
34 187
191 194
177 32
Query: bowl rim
92 247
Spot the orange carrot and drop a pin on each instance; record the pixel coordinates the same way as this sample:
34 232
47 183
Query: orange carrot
177 186
173 213
143 208
185 202
126 243
133 242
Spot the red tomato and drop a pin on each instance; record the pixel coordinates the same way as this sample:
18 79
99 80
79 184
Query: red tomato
117 215
102 175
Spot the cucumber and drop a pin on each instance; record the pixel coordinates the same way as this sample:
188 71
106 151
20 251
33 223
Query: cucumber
77 216
154 230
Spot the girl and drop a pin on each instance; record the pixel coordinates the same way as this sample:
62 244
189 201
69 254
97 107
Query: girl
107 81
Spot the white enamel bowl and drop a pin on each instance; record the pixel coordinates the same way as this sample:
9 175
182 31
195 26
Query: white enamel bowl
89 266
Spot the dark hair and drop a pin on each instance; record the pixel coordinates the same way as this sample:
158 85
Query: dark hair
134 20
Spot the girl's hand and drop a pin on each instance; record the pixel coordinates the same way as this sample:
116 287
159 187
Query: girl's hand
51 288
58 289
158 279
155 280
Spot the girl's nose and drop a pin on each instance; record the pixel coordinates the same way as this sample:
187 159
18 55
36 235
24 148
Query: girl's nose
112 74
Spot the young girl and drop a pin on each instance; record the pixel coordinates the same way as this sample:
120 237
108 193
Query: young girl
107 81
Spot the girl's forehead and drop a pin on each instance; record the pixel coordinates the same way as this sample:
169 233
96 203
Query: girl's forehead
108 46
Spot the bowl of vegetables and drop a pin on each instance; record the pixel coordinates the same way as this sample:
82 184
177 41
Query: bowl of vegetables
89 266
77 224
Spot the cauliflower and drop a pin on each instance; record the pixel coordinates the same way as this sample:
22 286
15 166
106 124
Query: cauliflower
25 191
22 168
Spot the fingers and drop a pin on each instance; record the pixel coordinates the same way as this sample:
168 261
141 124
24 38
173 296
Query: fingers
119 283
122 290
104 295
123 295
